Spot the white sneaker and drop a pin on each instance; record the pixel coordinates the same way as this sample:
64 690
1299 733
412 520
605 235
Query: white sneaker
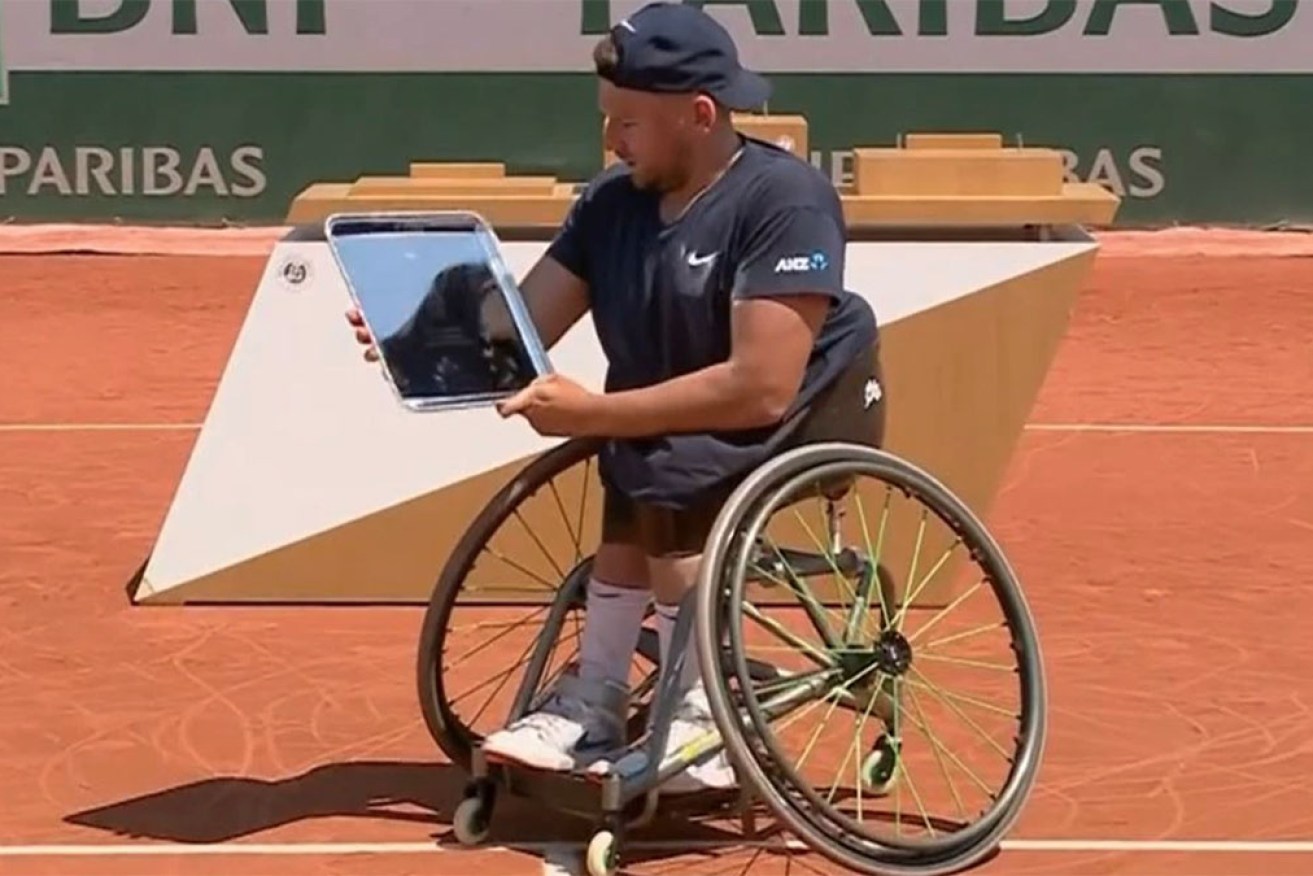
580 721
693 720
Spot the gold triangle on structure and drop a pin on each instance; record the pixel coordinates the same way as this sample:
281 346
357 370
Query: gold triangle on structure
395 555
960 382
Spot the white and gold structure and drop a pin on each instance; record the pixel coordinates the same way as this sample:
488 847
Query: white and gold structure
310 483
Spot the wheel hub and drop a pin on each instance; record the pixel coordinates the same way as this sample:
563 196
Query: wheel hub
892 653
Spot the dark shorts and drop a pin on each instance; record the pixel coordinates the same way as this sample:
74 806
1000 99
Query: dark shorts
839 413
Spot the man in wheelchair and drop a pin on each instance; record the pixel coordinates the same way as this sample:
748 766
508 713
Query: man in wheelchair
713 267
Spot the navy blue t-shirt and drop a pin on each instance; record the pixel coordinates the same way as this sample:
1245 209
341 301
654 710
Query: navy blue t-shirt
661 296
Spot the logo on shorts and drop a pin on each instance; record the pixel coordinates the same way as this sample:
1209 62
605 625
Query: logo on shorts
872 392
802 264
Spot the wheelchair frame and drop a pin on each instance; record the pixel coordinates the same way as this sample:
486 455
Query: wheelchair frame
639 773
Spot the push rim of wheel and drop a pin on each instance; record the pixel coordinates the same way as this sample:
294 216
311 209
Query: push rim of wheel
517 575
884 653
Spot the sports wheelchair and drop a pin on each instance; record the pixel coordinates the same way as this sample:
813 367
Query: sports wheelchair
847 628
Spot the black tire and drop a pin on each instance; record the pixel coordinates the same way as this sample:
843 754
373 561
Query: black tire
719 601
452 735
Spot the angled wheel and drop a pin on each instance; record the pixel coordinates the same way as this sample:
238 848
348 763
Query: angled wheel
505 617
903 727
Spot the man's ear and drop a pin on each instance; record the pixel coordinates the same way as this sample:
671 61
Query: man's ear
706 112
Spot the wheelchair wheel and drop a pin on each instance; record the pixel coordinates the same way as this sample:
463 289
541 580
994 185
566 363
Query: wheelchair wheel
876 613
516 580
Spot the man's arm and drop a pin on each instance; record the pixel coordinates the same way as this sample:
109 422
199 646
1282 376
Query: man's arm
772 342
555 290
555 298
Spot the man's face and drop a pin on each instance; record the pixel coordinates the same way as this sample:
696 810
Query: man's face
655 134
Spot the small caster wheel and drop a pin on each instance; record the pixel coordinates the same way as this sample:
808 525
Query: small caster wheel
880 769
471 821
603 857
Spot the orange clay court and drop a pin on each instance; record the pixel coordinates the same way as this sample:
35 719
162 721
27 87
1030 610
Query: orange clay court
1159 511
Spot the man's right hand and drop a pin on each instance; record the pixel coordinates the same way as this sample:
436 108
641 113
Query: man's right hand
362 334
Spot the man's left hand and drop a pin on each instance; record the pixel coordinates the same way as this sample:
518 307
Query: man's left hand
554 405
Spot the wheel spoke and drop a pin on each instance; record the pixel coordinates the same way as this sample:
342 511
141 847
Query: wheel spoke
574 536
966 634
964 661
902 767
945 611
538 541
839 577
934 570
815 611
495 639
788 636
837 691
948 700
857 738
503 675
816 734
489 549
583 496
874 554
923 723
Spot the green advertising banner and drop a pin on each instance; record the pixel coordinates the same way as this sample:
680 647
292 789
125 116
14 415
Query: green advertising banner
208 110
4 68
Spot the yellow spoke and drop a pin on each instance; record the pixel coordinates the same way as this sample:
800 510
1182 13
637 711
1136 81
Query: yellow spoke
911 786
954 758
769 575
517 567
536 540
834 786
806 752
874 554
505 590
565 664
829 556
944 612
934 570
488 643
786 635
583 497
485 625
911 575
838 691
963 698
964 661
519 661
800 588
947 699
574 537
924 724
957 637
857 738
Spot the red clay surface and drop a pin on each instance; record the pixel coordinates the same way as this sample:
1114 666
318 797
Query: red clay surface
1169 593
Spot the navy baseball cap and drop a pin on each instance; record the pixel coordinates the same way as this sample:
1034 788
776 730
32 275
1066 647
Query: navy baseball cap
679 49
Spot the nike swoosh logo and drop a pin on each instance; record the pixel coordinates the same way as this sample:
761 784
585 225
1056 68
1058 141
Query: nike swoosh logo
697 261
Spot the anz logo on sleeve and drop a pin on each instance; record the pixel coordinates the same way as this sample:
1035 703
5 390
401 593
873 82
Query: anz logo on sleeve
802 264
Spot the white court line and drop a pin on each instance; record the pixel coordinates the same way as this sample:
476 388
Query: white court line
1170 428
99 427
93 850
1163 428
